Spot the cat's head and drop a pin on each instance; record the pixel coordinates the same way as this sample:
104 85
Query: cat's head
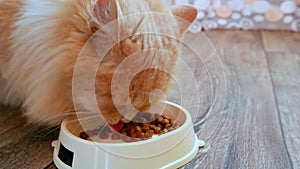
143 59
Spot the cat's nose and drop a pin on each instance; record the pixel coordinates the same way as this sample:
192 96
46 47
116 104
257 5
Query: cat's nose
113 118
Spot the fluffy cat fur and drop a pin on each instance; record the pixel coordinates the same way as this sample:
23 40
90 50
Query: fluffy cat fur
40 41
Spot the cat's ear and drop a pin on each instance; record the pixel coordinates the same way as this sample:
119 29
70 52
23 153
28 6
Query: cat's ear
187 15
105 10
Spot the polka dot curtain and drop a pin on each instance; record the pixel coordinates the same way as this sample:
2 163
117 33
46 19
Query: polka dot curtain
245 14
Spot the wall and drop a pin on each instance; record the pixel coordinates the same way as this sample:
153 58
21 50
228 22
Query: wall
245 14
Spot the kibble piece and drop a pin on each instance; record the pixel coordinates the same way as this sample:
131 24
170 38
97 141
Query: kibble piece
151 132
103 135
97 131
171 129
83 135
165 121
145 128
157 130
159 125
127 139
147 135
133 134
124 133
138 128
115 136
168 125
141 135
152 126
131 130
166 116
176 124
159 119
165 130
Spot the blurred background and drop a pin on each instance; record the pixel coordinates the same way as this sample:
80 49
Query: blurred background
245 14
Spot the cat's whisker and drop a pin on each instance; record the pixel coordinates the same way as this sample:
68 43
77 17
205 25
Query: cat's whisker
42 121
92 122
45 131
84 118
37 131
51 131
138 25
88 119
67 113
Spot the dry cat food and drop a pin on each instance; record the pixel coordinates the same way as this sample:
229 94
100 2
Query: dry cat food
142 127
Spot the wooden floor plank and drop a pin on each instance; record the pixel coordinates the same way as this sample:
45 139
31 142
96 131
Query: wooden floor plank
285 69
281 41
247 133
23 146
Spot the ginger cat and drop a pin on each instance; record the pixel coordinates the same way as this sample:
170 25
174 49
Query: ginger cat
40 42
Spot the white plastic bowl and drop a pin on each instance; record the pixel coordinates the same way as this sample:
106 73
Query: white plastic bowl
170 150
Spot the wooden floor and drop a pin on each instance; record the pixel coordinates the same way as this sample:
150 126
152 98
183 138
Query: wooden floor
249 114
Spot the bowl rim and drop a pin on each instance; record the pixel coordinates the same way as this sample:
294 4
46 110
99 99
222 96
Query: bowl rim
184 126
